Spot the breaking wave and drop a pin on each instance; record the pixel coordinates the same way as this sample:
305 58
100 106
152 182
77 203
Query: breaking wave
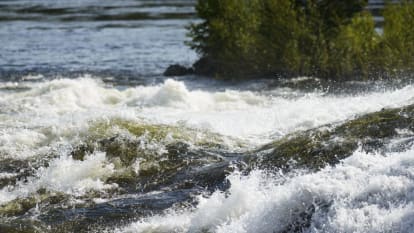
365 193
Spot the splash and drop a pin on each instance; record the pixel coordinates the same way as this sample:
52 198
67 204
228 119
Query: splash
365 193
54 112
66 175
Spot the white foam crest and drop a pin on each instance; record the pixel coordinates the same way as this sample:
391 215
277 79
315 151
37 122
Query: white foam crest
14 141
254 116
176 95
61 96
366 193
55 111
7 175
67 175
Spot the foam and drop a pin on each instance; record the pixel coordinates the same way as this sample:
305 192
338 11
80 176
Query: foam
366 193
58 109
66 175
47 116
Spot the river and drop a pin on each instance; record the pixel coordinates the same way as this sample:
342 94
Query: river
93 138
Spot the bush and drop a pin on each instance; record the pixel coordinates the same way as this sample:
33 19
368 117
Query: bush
329 39
398 44
354 47
227 35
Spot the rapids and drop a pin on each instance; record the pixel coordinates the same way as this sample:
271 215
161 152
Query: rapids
43 121
94 139
365 193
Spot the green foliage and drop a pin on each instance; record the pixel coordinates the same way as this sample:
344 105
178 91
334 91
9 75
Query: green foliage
329 39
353 48
278 47
227 36
399 36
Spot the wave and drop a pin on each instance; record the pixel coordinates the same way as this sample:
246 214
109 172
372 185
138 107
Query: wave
66 142
40 114
365 193
66 175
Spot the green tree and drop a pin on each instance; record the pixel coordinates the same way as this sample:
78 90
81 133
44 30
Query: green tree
324 38
227 36
353 48
398 44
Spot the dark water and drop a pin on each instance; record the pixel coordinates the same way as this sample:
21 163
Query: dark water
127 39
94 139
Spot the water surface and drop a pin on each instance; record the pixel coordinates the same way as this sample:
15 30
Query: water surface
94 139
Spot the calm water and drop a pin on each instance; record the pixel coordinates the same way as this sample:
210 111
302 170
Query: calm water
126 38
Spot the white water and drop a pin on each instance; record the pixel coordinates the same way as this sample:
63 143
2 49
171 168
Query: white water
65 175
54 112
366 193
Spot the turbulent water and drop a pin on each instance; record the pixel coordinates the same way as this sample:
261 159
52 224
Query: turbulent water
94 139
45 120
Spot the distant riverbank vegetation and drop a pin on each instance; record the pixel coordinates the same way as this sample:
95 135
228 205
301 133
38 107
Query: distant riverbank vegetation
327 39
